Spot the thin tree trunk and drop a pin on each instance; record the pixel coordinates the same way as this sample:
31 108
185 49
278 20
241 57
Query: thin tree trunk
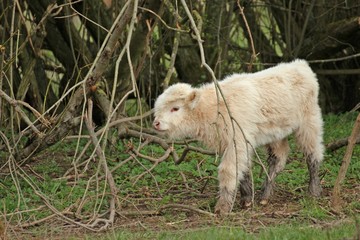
336 198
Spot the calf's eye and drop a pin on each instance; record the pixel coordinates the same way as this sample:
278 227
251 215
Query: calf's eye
174 109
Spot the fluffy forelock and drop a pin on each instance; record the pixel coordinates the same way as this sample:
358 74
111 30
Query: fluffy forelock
173 93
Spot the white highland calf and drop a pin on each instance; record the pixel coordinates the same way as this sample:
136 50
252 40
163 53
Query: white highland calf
260 108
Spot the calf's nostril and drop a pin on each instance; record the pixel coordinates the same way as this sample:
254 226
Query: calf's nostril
156 124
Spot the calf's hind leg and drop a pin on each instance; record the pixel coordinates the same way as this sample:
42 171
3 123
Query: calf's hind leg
278 153
246 190
309 138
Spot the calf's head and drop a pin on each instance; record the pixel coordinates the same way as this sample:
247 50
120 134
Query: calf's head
174 111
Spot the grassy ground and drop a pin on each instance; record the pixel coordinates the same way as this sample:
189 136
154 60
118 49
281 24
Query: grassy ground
162 203
289 231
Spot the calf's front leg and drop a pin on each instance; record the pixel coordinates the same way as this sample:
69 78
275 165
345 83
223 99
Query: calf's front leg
228 176
227 188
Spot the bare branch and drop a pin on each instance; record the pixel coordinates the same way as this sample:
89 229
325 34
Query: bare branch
172 60
162 21
15 104
253 55
107 172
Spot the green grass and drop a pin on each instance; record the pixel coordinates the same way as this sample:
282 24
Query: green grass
290 232
294 231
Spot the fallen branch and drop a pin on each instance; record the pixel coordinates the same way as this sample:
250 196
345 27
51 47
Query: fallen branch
52 208
188 208
44 219
152 159
340 143
194 149
126 133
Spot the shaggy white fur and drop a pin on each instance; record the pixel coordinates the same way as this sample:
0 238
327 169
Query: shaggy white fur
254 109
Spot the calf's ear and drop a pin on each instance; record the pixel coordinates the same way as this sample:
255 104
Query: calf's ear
193 98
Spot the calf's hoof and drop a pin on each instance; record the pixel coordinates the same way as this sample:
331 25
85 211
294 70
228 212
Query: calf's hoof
246 201
315 190
247 204
222 208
